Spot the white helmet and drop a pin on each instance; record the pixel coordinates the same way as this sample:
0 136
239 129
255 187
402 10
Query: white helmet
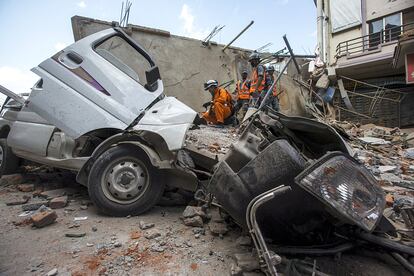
254 55
210 83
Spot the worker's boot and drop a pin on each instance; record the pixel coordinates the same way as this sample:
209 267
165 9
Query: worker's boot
235 121
219 125
199 121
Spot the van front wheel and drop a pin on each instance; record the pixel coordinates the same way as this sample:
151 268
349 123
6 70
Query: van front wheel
123 182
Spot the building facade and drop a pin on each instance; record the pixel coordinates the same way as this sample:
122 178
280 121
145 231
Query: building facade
370 44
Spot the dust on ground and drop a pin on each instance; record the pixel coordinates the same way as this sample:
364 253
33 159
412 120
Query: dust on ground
156 243
212 139
110 246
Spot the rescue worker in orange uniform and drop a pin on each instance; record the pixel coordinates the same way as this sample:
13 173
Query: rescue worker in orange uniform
221 104
258 78
273 100
243 94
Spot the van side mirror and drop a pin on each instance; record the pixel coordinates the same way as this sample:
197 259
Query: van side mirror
152 75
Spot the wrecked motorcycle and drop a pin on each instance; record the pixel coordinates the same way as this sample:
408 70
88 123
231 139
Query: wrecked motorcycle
293 182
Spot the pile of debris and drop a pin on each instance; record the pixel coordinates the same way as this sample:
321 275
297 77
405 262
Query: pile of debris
389 154
212 139
196 217
44 192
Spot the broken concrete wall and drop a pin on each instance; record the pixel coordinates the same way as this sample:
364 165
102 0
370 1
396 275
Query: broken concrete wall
184 63
292 100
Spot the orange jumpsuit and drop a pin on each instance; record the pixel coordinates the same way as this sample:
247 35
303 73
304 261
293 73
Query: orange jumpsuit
221 108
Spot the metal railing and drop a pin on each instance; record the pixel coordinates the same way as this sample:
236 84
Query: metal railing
372 41
370 103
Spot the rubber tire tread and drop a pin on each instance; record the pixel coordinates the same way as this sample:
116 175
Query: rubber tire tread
150 197
10 162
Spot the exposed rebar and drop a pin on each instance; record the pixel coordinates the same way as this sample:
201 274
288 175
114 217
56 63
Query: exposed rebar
234 39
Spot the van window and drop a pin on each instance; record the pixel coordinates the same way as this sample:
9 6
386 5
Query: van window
122 55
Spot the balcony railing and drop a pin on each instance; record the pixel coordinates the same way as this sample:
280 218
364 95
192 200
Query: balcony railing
372 41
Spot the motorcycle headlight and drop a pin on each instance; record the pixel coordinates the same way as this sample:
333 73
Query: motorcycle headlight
346 186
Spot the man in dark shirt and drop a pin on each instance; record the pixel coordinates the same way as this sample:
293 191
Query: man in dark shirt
258 78
273 100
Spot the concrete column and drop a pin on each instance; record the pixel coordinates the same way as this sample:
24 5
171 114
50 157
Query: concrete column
327 30
319 18
364 17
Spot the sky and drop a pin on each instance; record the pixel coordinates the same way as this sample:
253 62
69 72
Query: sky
32 31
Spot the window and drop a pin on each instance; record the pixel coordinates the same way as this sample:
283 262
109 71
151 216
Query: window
123 56
375 30
384 30
391 23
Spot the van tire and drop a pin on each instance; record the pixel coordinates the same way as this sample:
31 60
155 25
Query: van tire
123 182
9 163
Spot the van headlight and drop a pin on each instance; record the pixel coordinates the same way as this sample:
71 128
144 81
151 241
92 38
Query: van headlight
347 187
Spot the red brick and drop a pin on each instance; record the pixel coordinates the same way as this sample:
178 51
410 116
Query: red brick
389 200
58 192
11 179
25 188
38 191
45 218
58 202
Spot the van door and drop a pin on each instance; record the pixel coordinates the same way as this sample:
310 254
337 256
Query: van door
97 82
29 132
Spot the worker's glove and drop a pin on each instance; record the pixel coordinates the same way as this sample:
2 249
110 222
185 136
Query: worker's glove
207 104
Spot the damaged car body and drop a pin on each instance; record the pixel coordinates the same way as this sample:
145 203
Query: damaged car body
93 112
302 153
293 184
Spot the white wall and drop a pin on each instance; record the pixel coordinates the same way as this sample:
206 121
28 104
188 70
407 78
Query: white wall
380 8
340 37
